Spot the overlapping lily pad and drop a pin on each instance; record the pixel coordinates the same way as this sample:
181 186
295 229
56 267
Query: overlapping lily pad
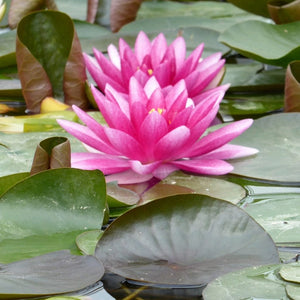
45 212
274 44
173 241
262 282
277 139
49 274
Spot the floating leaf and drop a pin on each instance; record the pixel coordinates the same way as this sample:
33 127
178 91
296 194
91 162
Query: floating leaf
6 182
293 291
292 87
51 153
173 241
213 187
46 211
290 272
49 274
49 51
278 145
261 282
274 44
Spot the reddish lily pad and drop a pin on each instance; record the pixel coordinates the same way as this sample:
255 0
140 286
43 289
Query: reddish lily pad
292 87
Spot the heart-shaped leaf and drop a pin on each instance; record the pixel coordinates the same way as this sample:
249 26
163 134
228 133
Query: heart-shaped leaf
45 212
292 87
274 44
173 241
278 145
49 51
51 153
6 182
49 274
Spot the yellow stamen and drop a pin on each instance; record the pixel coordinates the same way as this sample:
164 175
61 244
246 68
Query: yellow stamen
150 72
159 110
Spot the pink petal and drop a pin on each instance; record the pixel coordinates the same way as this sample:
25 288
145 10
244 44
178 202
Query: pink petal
169 145
190 64
204 166
207 93
158 50
114 56
125 143
91 123
156 101
143 169
142 46
86 136
138 113
99 76
177 49
107 67
153 128
92 161
136 92
219 137
128 177
150 86
164 170
229 151
165 72
127 72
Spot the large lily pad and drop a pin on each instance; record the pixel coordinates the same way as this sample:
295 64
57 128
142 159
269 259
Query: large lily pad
274 44
45 212
262 282
173 241
277 139
49 274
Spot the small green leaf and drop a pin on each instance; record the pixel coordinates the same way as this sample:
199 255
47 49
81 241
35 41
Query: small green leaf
87 241
290 272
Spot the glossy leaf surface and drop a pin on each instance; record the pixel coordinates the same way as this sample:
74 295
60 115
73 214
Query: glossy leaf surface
278 145
173 241
49 274
45 212
274 44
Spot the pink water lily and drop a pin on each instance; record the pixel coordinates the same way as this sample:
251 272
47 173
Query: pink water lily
167 63
152 132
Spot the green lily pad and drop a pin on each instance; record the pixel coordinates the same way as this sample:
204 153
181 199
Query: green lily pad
213 187
46 211
277 214
6 182
290 272
274 44
49 274
277 139
173 240
18 154
261 282
87 241
293 292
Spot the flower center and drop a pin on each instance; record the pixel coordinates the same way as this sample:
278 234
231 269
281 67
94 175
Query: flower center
150 72
159 110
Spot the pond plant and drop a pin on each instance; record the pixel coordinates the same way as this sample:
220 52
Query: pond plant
151 152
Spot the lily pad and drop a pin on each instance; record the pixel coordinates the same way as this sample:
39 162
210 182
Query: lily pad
173 240
261 282
6 182
213 187
274 44
46 211
291 273
293 292
49 274
277 139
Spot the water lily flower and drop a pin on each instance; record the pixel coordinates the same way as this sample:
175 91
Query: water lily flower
167 63
152 132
